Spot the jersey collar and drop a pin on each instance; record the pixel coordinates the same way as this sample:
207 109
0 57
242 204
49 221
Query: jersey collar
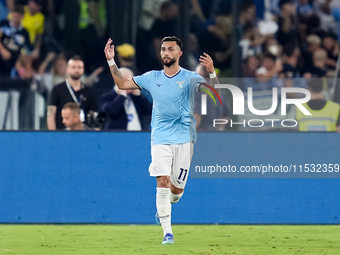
171 76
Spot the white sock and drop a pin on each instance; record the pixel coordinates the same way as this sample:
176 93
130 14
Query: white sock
174 198
164 209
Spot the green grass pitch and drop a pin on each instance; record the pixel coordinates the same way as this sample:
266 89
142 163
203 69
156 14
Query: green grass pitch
189 239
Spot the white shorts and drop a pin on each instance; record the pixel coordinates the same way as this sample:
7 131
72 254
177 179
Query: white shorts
172 160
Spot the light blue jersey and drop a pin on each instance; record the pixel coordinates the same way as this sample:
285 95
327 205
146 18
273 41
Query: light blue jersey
172 121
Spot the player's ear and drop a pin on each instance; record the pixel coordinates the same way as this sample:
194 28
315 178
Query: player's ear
180 53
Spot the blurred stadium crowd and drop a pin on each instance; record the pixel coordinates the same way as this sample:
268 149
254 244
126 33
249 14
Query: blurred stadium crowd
267 43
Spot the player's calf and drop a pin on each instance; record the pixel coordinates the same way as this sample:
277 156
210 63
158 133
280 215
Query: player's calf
164 209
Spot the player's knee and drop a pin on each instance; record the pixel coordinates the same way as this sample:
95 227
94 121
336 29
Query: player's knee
163 181
174 198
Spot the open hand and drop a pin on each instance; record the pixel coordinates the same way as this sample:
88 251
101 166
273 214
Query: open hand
207 61
109 50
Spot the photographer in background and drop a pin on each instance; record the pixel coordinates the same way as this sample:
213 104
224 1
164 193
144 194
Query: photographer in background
72 90
71 117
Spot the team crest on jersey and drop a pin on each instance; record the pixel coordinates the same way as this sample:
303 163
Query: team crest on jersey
180 83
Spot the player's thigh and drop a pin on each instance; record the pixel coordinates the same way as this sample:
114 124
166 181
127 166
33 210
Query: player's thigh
161 163
181 164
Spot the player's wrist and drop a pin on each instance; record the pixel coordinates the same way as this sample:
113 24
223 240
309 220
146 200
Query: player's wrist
212 75
111 62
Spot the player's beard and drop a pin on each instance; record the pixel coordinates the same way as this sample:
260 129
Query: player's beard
170 63
75 77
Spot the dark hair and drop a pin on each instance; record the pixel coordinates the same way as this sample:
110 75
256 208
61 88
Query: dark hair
282 2
244 6
19 9
271 56
289 49
173 39
315 85
247 26
73 107
331 35
166 5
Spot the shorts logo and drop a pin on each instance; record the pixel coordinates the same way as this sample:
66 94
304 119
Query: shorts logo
180 84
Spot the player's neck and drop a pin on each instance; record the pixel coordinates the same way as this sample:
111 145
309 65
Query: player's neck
75 84
171 70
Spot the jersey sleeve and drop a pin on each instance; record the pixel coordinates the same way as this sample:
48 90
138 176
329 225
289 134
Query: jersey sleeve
144 80
195 82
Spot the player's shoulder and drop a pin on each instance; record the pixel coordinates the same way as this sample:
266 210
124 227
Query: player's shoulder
191 74
149 73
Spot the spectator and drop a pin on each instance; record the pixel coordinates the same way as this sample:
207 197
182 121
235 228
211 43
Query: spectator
193 54
304 10
126 57
312 27
125 108
269 68
288 23
247 14
72 90
150 11
59 67
13 38
326 10
205 122
313 43
325 114
71 117
248 30
318 70
216 41
91 31
290 60
331 45
25 67
164 25
250 65
197 18
34 22
272 46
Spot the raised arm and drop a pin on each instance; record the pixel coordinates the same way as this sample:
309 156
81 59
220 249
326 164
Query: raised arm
207 61
117 75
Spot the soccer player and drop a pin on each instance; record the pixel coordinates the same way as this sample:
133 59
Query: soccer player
173 124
